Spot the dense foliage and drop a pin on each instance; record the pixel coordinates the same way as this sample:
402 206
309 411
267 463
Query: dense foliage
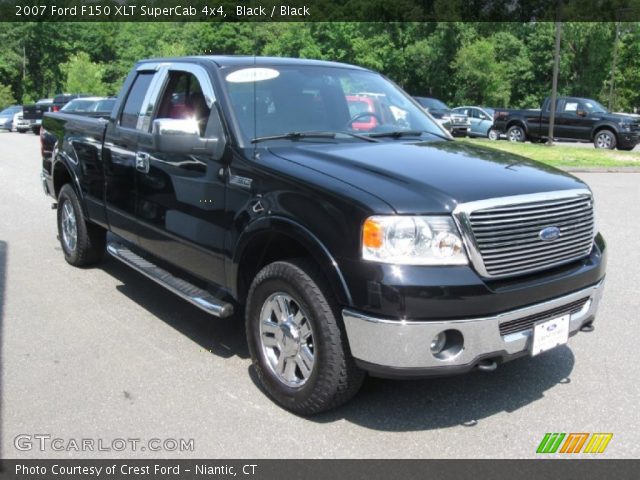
499 64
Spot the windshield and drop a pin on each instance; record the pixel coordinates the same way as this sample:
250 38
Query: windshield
432 103
593 107
277 100
103 105
10 111
78 106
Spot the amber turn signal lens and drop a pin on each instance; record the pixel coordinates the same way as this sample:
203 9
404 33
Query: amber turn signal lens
372 234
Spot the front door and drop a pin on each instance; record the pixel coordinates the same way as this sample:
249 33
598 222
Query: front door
181 197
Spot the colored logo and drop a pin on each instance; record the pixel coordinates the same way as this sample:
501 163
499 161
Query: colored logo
549 234
574 443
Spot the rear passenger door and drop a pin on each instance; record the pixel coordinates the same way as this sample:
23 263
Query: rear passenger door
181 196
119 154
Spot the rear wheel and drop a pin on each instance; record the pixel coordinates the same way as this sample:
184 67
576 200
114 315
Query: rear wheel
516 134
605 139
297 343
82 242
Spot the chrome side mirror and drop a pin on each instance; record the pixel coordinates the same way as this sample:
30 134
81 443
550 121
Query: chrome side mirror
182 136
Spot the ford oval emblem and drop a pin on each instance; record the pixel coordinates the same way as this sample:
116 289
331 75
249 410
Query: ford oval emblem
549 234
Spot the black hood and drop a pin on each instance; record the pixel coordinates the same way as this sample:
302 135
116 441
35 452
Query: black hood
429 177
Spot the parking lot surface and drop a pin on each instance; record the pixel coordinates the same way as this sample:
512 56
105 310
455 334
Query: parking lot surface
105 353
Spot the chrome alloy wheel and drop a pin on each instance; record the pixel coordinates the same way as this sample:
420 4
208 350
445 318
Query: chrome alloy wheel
515 135
286 338
69 227
604 140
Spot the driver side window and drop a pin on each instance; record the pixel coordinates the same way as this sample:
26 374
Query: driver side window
183 98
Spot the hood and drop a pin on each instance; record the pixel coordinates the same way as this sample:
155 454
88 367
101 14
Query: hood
429 177
619 117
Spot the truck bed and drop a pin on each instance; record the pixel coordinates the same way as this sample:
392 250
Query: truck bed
82 131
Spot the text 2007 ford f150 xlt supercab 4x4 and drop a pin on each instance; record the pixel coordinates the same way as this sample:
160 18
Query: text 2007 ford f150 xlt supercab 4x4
240 184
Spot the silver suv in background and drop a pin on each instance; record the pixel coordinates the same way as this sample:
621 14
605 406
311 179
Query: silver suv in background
7 117
457 123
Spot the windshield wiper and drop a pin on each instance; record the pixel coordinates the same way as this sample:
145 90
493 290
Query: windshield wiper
405 133
299 135
295 136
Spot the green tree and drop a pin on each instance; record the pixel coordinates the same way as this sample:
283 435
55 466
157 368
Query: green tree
84 76
479 76
6 96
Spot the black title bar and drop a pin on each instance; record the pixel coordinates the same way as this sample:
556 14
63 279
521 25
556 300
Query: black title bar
319 10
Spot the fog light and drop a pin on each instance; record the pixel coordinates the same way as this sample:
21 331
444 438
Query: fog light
438 343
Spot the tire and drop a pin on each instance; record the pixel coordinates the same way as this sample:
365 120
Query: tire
605 139
516 134
626 149
493 134
312 336
86 246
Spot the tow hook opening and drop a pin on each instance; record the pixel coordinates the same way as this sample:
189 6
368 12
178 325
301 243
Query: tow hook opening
587 327
488 365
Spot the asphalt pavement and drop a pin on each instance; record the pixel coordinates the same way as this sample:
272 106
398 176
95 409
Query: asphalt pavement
105 354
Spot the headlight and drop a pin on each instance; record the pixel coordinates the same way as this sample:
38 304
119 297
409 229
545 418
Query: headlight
625 126
412 241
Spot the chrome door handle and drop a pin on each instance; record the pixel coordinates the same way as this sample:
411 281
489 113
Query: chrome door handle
142 162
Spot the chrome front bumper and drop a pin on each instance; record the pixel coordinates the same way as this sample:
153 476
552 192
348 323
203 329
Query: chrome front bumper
403 344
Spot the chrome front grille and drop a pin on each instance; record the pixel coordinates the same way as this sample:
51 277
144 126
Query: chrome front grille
504 235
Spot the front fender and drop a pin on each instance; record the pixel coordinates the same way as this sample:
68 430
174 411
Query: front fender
298 232
601 125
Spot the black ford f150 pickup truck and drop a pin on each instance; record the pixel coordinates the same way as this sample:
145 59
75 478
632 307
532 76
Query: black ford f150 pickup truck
576 120
240 184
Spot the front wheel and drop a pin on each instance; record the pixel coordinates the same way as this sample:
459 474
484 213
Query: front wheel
493 134
516 134
82 242
605 139
298 346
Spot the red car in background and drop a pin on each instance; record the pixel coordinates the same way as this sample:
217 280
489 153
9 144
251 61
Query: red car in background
372 110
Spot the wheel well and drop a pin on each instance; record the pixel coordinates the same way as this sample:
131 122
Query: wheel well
604 127
516 123
61 176
265 248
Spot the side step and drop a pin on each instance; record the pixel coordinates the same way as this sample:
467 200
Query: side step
192 294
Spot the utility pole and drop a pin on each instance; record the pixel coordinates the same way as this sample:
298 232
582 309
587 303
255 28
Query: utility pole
613 62
554 85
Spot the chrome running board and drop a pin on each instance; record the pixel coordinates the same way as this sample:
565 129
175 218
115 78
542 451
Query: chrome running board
192 294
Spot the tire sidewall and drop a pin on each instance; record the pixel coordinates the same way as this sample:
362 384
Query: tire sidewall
331 353
68 195
522 137
609 133
262 292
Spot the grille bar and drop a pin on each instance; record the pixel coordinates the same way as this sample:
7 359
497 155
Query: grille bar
506 237
526 323
527 242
